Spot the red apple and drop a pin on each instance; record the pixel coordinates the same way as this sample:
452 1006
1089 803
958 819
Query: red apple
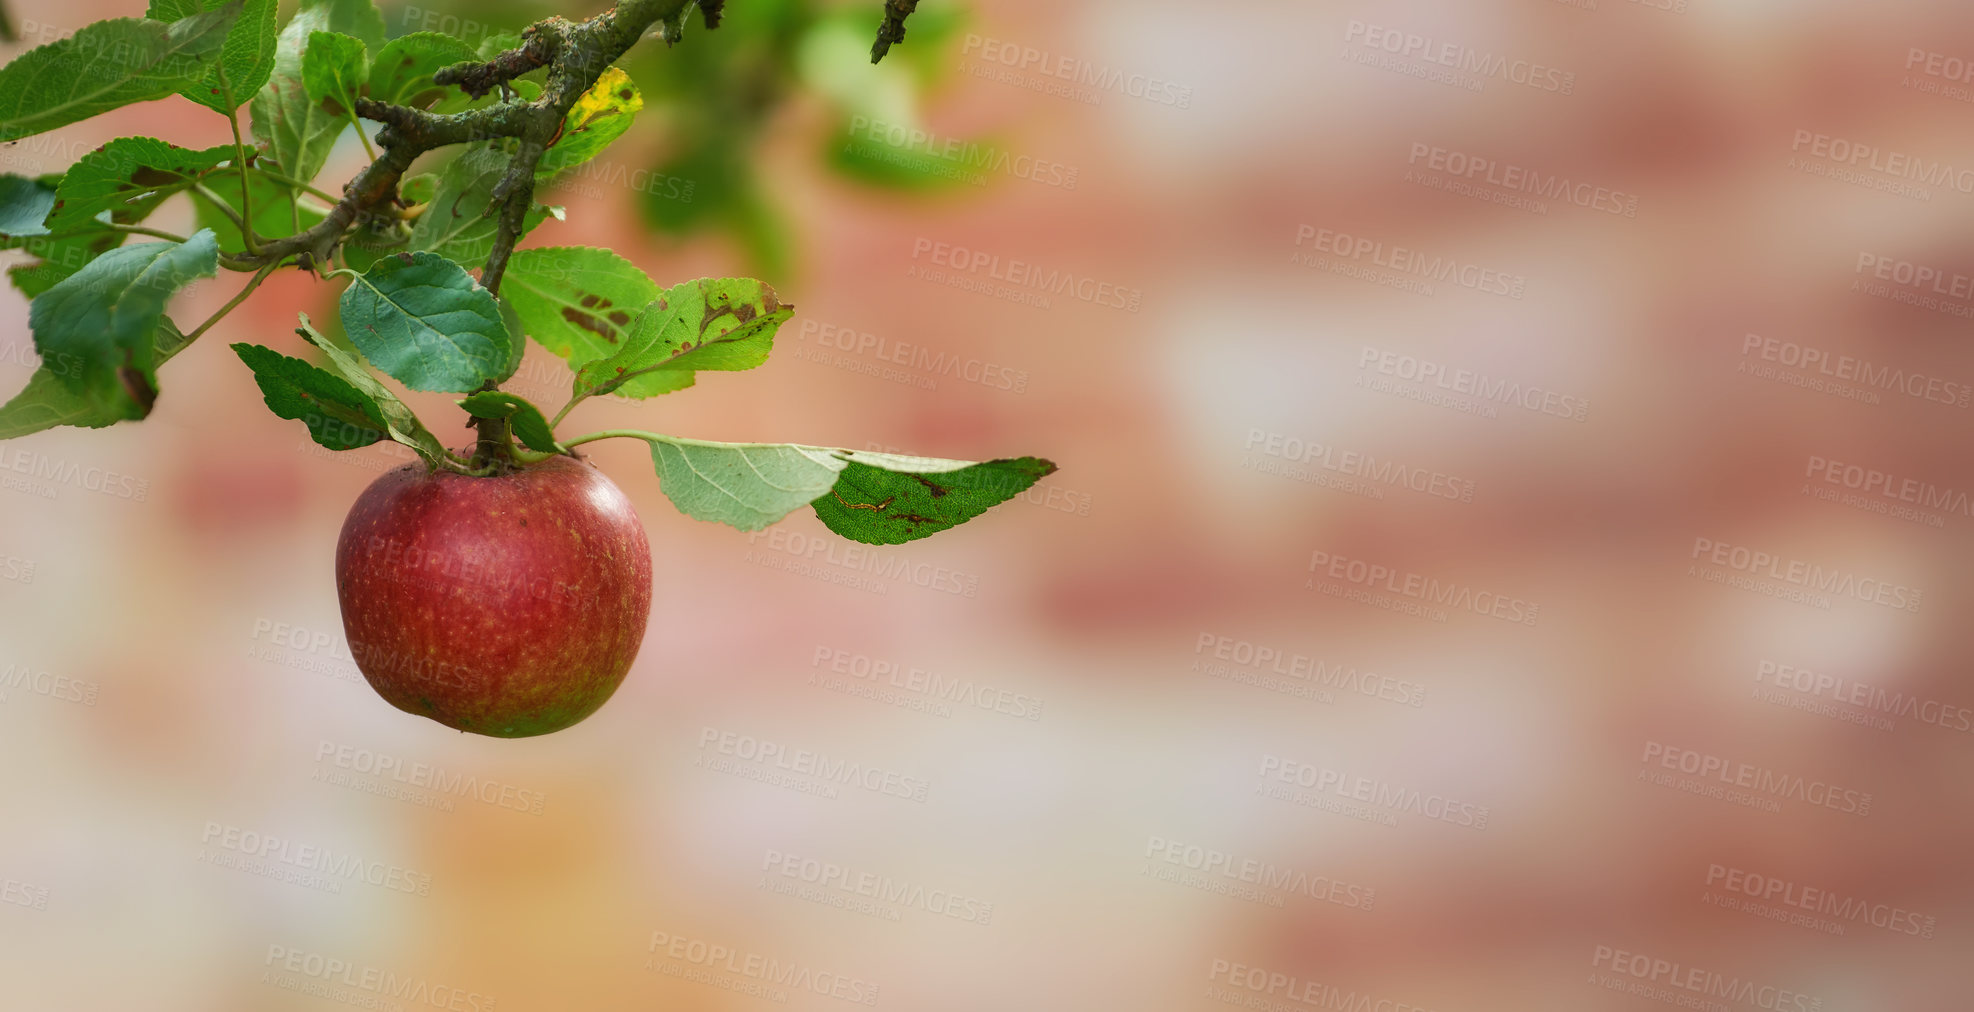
507 606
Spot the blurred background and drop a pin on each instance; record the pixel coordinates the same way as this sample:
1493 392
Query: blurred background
1510 549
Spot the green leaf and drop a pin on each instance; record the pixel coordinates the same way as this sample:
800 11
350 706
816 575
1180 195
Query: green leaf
245 59
100 322
711 323
875 498
425 322
884 499
743 485
47 402
599 117
577 301
335 68
459 223
24 205
404 426
529 425
402 73
107 65
338 415
294 132
128 177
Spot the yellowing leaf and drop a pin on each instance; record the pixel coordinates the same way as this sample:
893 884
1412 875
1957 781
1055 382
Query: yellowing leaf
599 117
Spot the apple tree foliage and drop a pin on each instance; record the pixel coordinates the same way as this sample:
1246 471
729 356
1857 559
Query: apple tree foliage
513 114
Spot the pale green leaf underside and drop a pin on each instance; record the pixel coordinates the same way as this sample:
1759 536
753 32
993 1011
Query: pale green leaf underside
404 425
743 485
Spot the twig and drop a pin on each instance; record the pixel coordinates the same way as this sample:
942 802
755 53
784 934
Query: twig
893 28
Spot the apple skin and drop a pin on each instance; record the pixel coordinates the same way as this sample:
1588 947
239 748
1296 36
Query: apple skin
508 606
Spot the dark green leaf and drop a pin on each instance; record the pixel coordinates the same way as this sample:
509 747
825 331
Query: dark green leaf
101 322
24 205
294 132
577 301
404 426
425 322
529 425
127 177
107 65
402 73
712 323
245 60
338 415
883 499
334 70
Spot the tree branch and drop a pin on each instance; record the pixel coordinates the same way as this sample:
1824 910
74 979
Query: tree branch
893 28
575 53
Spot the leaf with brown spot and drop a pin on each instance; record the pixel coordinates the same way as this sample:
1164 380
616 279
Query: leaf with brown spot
556 291
713 323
